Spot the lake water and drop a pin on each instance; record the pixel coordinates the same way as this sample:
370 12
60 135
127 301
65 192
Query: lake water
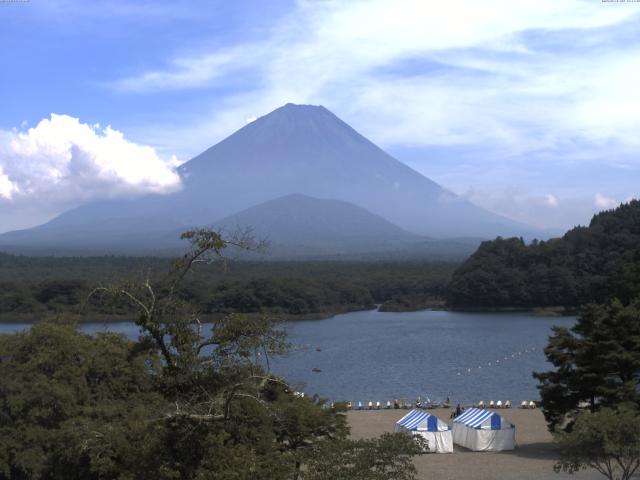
385 355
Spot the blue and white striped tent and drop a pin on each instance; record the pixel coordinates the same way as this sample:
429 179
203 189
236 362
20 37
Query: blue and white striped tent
431 428
483 430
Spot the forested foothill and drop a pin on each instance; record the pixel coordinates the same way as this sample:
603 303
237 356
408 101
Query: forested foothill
33 287
588 264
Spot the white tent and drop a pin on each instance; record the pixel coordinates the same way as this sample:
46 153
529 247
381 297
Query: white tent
483 431
436 432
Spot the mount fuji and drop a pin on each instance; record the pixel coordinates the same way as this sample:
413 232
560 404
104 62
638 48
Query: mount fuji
292 154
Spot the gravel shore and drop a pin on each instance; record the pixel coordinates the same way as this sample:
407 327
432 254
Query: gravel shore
533 458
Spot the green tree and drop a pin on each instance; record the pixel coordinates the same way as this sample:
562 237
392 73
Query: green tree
588 264
597 362
384 458
188 400
75 406
607 441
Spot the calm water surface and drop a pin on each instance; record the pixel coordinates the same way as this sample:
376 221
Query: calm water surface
383 355
379 356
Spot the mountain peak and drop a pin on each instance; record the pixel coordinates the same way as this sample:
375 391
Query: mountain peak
301 106
299 113
289 135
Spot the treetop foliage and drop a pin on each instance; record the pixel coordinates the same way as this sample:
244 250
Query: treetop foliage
596 362
588 264
607 441
33 288
184 401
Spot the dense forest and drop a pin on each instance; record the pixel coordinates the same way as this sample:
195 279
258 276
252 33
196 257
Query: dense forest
33 287
183 401
588 264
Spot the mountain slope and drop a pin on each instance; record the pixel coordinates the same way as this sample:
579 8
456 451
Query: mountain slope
294 149
307 149
298 224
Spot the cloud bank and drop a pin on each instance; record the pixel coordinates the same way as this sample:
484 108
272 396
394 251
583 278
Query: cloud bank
434 73
62 162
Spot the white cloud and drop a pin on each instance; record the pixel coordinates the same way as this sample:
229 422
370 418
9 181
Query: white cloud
7 187
552 201
186 73
481 84
62 162
543 211
603 202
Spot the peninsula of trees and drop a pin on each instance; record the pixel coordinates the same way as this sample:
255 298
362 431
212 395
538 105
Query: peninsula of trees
588 264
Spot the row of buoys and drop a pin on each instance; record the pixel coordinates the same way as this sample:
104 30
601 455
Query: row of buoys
498 361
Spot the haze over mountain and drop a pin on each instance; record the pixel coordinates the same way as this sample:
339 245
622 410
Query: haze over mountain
296 149
302 225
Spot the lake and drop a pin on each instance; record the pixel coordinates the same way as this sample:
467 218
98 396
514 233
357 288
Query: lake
381 356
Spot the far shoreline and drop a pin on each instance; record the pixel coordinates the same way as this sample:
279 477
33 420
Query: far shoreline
7 319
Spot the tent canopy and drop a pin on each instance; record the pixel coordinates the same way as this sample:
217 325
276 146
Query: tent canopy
417 420
437 433
481 419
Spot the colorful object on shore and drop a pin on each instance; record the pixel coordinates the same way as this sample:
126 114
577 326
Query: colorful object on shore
500 404
436 432
483 431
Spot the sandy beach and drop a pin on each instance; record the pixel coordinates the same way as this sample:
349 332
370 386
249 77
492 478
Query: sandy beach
533 458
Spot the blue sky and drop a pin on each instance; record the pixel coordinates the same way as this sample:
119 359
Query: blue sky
528 108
